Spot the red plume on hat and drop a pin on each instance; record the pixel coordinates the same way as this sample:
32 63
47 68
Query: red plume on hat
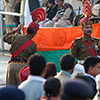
83 2
87 13
37 16
87 9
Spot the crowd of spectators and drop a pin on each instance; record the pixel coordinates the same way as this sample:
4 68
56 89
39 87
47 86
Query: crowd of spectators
56 87
59 13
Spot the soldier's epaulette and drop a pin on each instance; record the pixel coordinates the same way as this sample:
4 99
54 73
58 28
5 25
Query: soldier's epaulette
95 38
76 39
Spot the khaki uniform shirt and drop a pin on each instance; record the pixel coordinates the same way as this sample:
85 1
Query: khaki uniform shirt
79 49
17 41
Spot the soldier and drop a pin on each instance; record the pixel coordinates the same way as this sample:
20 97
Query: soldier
21 49
86 45
77 19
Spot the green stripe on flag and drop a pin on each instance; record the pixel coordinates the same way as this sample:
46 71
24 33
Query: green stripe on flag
54 56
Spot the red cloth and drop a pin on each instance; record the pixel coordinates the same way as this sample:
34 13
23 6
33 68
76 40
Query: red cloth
92 51
24 73
20 49
38 15
34 26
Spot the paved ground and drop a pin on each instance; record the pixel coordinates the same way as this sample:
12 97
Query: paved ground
4 58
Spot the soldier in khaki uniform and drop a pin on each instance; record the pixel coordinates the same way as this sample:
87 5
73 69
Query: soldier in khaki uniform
86 45
19 51
76 20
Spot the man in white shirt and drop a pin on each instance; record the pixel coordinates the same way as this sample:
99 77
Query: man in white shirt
33 86
92 68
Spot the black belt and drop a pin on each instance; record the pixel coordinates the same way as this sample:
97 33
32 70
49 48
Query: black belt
18 60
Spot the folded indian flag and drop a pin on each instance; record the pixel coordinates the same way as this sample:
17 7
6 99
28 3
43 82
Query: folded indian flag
53 43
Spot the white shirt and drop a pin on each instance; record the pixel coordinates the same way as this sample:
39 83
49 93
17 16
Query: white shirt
33 87
38 78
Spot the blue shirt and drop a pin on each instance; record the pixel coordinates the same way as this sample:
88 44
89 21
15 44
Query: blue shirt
66 73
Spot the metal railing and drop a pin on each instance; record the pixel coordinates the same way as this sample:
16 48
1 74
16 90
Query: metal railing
1 19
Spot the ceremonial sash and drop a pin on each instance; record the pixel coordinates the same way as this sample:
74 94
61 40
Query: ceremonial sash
27 43
92 51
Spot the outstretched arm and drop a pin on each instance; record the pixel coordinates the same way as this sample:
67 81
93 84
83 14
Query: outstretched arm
18 27
8 36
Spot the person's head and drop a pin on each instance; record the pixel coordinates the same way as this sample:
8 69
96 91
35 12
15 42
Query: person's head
51 3
11 93
50 70
37 65
67 62
76 89
32 28
52 87
60 2
86 26
92 65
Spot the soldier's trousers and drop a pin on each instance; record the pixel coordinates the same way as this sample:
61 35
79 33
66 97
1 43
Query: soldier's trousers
12 77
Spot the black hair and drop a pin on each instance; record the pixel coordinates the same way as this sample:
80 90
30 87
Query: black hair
29 31
52 87
51 1
90 62
37 64
67 62
97 2
51 70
